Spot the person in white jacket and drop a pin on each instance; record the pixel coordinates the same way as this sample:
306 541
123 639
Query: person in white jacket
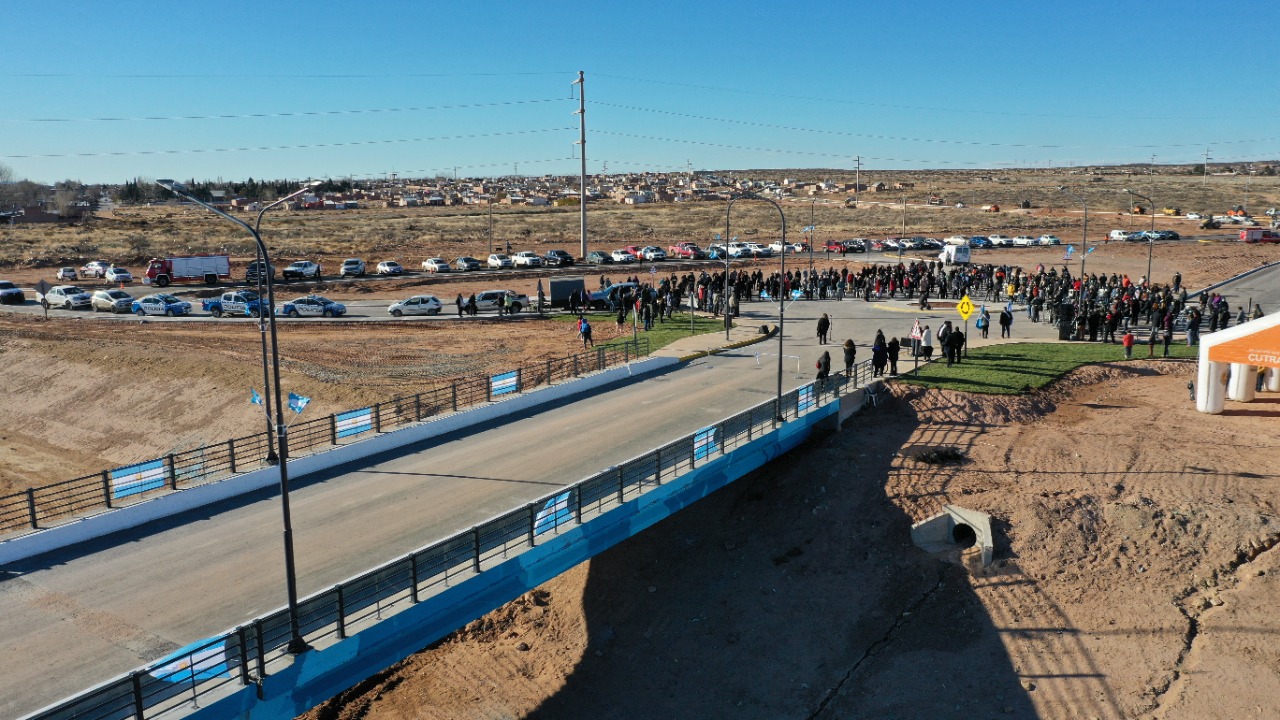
926 343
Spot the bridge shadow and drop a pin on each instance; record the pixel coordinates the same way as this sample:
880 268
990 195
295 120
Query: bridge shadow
796 593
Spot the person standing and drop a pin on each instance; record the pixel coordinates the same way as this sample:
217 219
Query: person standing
926 343
891 350
460 303
824 369
879 357
584 329
1128 341
824 327
1006 322
984 321
1167 332
850 357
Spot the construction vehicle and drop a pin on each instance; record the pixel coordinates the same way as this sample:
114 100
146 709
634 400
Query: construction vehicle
1237 211
991 208
935 200
1210 224
1138 210
1171 211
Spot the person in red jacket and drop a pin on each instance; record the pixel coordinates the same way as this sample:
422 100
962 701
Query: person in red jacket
1128 341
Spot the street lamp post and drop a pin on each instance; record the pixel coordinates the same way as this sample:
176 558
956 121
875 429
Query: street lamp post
296 642
264 268
782 282
1151 239
813 237
1084 238
491 224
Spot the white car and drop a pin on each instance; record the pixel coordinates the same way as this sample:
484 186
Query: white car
1194 216
466 263
956 240
793 248
416 305
352 266
1024 241
622 256
118 275
390 267
1048 240
436 265
758 250
67 297
113 301
738 249
526 258
498 261
97 269
1000 240
653 253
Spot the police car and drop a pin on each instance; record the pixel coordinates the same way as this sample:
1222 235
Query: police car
313 306
161 304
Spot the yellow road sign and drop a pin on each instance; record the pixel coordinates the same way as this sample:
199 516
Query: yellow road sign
965 307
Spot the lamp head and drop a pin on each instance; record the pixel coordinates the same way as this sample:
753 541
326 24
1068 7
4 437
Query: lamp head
171 185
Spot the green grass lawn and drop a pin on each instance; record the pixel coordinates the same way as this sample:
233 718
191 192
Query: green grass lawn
1017 367
604 327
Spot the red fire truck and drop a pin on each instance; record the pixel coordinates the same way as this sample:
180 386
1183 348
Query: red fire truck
207 269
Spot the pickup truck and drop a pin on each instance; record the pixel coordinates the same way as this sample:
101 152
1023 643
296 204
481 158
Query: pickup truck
238 303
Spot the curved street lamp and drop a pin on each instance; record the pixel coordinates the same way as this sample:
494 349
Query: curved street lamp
296 642
1151 239
782 271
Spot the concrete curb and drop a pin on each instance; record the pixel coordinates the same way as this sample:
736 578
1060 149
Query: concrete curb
731 346
1241 276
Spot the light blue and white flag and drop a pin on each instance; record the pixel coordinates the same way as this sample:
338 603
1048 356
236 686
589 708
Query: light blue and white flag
353 422
1095 247
704 443
1071 250
555 513
805 400
504 383
136 479
807 228
204 660
254 397
298 403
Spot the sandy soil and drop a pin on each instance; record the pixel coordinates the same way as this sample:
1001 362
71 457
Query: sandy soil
1134 578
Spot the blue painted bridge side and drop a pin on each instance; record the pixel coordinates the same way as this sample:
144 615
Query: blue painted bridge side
320 674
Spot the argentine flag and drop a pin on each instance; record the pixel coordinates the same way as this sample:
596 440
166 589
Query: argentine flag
203 660
298 403
254 397
1071 250
554 513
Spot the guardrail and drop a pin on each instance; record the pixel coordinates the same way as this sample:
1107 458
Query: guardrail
40 507
213 668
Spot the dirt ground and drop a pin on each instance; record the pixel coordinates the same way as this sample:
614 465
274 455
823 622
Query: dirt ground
1134 577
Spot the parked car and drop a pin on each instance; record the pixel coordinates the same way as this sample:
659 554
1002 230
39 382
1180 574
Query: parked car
488 300
352 266
738 250
416 305
390 267
557 258
233 303
112 301
118 275
1049 240
1140 236
256 268
466 263
11 294
437 265
96 269
1000 240
597 257
686 250
856 245
610 297
1119 235
312 306
302 270
716 251
67 297
956 240
978 241
66 273
498 260
1194 216
1166 235
622 256
526 258
161 304
653 253
777 247
1023 241
758 250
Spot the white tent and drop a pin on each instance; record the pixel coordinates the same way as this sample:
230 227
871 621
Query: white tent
1231 359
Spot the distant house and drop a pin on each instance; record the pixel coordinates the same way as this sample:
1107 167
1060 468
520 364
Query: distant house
879 187
904 186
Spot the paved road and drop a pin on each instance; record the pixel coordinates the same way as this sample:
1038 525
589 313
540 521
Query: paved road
1261 288
70 621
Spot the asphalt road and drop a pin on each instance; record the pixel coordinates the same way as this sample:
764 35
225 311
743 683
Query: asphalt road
71 620
1261 288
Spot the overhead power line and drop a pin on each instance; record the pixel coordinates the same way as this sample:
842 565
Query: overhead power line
844 156
290 147
290 76
301 113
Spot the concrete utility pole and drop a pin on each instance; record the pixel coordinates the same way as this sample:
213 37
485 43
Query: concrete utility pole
1205 179
581 82
857 179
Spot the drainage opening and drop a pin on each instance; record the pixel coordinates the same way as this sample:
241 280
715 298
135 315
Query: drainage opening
964 536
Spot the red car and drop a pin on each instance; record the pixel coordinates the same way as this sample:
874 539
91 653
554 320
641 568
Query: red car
686 250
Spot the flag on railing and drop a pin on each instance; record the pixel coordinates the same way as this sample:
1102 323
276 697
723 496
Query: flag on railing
203 660
298 403
805 400
504 383
554 513
353 422
136 479
254 397
704 442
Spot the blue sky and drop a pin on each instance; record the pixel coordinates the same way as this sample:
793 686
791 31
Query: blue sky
419 88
